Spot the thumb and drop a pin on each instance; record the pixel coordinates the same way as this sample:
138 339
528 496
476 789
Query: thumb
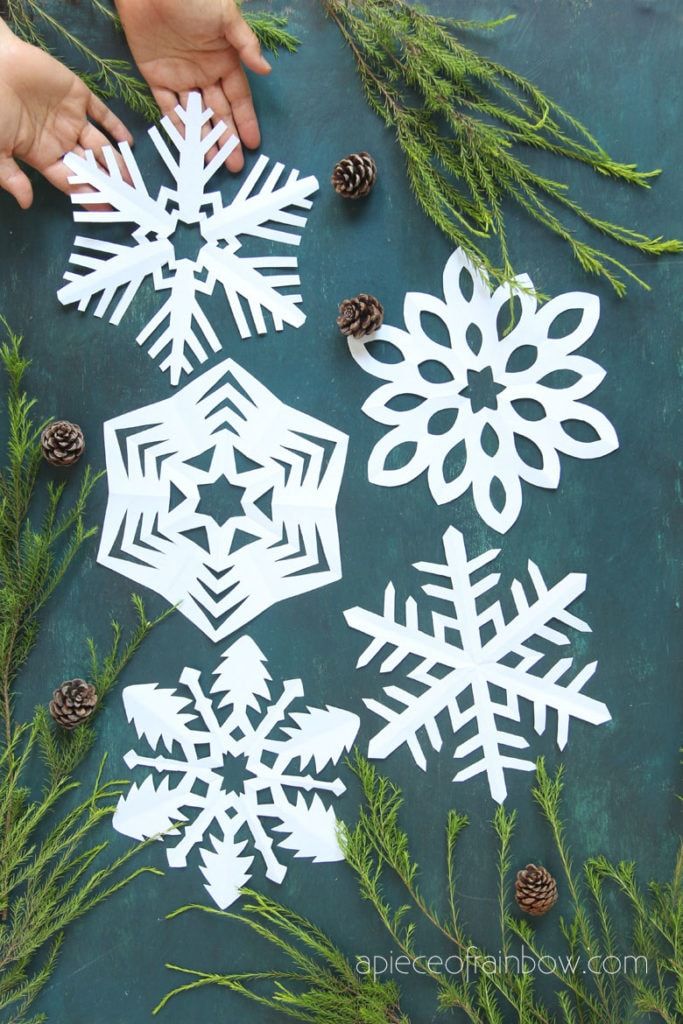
244 40
14 181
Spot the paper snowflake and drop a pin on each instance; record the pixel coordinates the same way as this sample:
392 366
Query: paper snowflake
477 664
234 761
222 499
264 209
486 409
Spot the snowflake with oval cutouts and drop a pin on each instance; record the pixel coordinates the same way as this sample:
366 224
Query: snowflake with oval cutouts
266 208
241 765
488 409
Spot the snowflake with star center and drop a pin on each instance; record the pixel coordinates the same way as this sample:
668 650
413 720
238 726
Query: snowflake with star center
222 498
491 407
267 208
235 770
471 656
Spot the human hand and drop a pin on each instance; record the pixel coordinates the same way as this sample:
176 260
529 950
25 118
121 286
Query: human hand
182 45
45 112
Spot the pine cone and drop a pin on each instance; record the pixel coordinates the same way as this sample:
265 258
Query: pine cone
360 316
63 443
354 176
73 702
535 890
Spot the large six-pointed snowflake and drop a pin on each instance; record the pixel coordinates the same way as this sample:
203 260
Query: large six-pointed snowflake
477 665
488 409
234 766
222 499
264 208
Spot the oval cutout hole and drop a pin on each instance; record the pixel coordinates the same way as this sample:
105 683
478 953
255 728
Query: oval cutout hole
521 359
565 323
509 316
560 379
384 351
528 409
497 494
441 422
435 328
489 440
455 462
474 338
404 403
466 284
529 452
401 455
580 431
435 372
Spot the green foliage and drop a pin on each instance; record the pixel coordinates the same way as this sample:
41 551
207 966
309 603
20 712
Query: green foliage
378 851
271 31
320 985
52 869
463 122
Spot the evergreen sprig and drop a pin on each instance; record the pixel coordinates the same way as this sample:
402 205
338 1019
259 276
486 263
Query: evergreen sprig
463 122
53 869
321 986
377 848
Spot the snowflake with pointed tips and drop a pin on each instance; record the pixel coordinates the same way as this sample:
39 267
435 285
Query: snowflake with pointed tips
222 499
236 761
488 409
265 208
493 655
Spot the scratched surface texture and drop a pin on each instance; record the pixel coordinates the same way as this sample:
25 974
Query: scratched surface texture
614 63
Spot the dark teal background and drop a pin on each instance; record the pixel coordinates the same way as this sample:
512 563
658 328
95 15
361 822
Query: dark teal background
614 63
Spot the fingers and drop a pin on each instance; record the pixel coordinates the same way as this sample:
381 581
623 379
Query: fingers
92 138
239 35
238 94
14 181
167 101
102 115
215 98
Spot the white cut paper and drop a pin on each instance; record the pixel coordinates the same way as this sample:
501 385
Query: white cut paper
264 209
432 395
483 675
230 770
284 468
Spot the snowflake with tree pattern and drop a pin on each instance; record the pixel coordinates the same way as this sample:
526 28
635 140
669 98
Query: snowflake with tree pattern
481 673
237 763
266 208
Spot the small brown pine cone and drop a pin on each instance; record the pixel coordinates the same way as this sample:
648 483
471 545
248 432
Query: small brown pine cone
62 443
535 890
360 316
354 176
73 702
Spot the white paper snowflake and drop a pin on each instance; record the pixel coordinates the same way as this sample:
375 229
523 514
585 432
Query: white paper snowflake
481 673
486 410
263 209
238 762
222 499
